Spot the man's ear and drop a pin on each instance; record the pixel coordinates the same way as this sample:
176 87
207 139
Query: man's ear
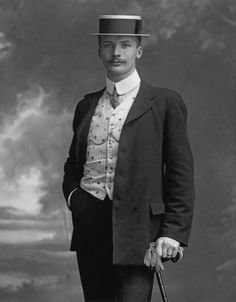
139 52
99 52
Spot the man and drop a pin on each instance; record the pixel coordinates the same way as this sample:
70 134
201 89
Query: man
129 175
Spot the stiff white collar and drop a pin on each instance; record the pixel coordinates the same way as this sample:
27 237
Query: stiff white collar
124 86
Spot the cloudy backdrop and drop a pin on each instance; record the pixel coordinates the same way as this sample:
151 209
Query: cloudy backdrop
47 63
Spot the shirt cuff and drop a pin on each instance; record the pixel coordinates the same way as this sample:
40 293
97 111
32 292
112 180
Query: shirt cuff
69 198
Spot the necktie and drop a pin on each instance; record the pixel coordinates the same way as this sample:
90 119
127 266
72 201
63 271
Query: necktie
114 99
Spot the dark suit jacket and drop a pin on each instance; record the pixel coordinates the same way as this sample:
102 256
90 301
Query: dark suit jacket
153 185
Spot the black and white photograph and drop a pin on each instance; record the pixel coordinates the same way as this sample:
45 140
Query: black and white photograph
117 150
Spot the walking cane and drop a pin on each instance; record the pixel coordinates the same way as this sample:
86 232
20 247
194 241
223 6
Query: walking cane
161 286
152 258
159 275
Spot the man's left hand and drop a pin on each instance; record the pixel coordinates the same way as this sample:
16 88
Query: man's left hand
157 250
167 247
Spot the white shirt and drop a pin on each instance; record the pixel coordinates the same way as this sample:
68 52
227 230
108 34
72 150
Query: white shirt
104 135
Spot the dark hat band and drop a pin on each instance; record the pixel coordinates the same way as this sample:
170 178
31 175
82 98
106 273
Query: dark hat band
119 26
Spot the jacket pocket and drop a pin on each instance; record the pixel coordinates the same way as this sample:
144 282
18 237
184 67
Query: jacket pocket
157 208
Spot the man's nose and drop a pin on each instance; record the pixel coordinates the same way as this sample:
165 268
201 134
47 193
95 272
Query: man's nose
116 50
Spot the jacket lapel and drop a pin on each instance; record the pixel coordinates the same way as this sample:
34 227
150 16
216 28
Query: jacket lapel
142 102
141 105
87 108
86 112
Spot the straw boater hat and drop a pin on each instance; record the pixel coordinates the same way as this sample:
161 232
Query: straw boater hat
120 25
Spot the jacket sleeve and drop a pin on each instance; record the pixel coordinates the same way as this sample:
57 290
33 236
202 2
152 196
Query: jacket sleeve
179 173
70 180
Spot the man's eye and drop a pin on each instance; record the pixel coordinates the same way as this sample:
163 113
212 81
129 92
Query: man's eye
107 45
125 45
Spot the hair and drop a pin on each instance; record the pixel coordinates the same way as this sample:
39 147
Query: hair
138 40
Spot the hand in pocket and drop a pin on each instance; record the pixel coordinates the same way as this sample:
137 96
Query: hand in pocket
74 199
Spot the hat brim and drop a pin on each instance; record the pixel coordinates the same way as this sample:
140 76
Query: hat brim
119 34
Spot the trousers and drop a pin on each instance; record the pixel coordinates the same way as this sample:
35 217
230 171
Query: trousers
102 281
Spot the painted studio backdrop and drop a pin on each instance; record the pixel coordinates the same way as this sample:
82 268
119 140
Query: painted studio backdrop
47 63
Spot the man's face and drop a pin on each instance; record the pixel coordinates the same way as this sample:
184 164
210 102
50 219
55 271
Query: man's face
118 54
